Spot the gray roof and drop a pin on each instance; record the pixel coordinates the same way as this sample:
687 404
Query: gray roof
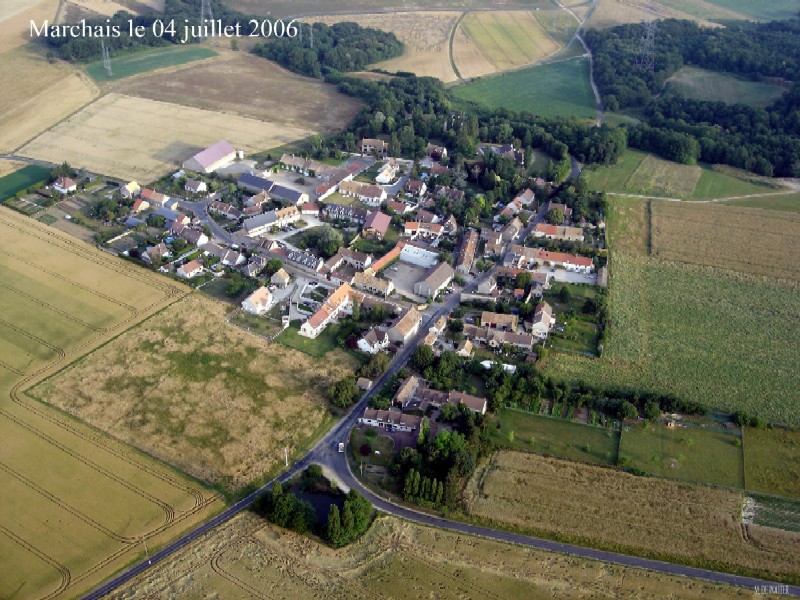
285 193
254 181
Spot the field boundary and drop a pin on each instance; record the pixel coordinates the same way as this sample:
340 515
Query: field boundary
451 42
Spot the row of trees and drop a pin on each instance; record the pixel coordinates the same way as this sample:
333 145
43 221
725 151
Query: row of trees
422 490
348 524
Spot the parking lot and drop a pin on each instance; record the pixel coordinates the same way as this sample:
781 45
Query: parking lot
404 275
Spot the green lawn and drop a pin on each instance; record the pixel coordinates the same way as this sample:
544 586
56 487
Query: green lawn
772 461
783 202
381 443
147 60
701 84
641 173
580 337
688 453
554 437
21 179
318 347
553 90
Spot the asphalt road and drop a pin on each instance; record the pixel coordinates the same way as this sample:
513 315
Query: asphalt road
325 453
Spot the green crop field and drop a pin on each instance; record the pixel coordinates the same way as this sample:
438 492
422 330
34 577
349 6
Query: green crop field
645 174
147 60
688 453
764 11
702 84
555 90
781 202
772 461
63 482
19 180
554 437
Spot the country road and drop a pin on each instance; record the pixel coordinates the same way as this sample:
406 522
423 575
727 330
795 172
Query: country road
325 453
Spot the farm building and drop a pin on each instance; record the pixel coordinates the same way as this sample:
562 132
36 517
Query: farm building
558 232
212 158
435 281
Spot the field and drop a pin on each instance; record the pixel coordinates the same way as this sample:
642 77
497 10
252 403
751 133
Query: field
693 331
148 60
610 13
15 17
507 40
554 437
647 175
784 202
426 36
217 403
740 239
64 483
557 89
701 84
771 464
775 9
286 8
251 558
684 452
273 94
639 515
19 180
136 138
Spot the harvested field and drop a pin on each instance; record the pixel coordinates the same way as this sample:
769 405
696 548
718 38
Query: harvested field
772 461
29 106
285 8
691 331
508 39
219 403
64 482
107 8
15 18
9 166
273 93
748 240
248 557
631 514
628 227
657 177
610 13
468 58
425 34
136 138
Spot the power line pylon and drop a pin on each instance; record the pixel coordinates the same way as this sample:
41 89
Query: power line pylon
645 58
205 12
106 59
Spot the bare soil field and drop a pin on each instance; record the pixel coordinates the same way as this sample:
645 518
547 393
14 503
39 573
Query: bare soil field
508 39
268 92
137 138
750 240
250 558
426 35
627 513
76 502
200 394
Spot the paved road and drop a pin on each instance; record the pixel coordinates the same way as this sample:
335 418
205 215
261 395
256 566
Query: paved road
325 453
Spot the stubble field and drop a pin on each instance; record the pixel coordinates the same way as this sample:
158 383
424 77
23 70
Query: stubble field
200 394
273 94
286 8
628 513
76 502
249 558
136 138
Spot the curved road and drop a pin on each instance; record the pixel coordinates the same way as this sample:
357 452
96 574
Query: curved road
325 453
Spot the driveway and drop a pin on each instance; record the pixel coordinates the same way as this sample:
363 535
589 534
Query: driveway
562 276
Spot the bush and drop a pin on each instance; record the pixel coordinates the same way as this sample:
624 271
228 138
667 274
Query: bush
366 449
370 432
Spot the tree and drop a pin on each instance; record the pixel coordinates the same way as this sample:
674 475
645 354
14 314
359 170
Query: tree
555 216
564 294
273 266
343 393
156 220
334 528
423 357
627 410
524 279
329 241
652 412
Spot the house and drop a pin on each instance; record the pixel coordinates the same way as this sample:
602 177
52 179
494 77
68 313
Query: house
155 253
439 326
280 278
405 327
282 192
511 230
436 152
558 232
373 146
373 341
130 190
259 224
526 198
373 284
465 349
466 254
493 320
504 150
228 257
193 236
420 229
139 205
442 191
543 320
510 210
65 185
305 259
570 262
438 278
390 419
498 339
474 403
259 200
255 265
310 209
340 302
354 258
376 225
416 188
224 209
364 384
487 286
372 195
345 213
387 173
212 158
398 207
494 243
259 302
254 183
196 187
190 269
450 226
565 210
